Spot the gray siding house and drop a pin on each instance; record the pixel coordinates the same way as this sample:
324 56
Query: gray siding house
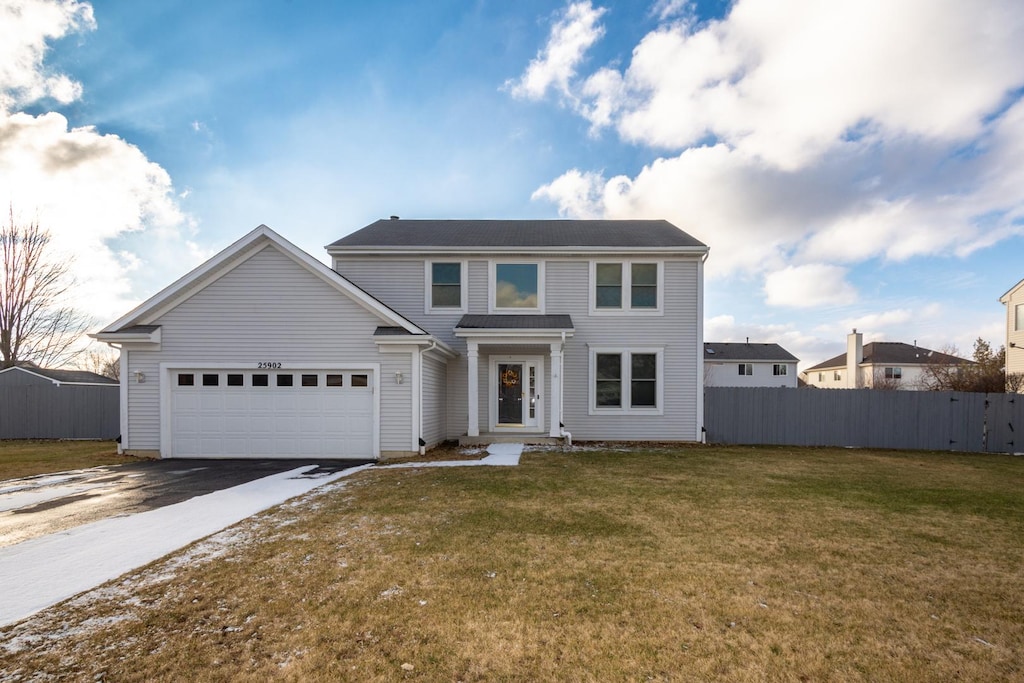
421 332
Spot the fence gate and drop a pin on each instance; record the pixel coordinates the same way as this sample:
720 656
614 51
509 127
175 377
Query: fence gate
1004 420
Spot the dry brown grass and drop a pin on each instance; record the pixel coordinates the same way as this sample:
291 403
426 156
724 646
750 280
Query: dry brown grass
27 458
670 564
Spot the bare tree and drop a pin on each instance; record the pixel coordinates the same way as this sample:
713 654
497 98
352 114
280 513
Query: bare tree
1015 382
985 373
35 323
881 382
102 361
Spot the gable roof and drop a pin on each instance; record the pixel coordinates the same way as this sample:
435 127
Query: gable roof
63 376
1005 298
138 321
893 353
399 234
747 352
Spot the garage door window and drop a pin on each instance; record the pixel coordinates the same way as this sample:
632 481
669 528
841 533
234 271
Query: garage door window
210 380
360 381
284 381
309 380
235 381
335 380
261 380
186 380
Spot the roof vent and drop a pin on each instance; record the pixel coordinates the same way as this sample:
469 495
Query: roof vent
394 218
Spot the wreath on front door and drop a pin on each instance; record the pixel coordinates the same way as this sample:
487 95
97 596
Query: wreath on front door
510 378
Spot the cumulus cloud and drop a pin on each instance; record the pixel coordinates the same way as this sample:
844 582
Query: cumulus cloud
800 138
94 192
25 28
555 66
809 286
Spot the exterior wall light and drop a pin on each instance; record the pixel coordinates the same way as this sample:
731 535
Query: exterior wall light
399 377
140 376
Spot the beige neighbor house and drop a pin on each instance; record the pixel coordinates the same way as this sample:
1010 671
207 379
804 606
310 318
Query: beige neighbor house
421 331
737 364
1014 301
891 365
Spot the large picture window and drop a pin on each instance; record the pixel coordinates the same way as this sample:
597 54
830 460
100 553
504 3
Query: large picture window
517 286
625 287
626 381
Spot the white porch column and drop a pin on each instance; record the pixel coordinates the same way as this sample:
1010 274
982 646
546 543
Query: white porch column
472 391
556 390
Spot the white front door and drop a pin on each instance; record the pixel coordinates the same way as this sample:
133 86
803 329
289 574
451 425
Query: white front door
516 393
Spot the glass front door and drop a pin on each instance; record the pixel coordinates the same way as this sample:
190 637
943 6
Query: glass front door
517 394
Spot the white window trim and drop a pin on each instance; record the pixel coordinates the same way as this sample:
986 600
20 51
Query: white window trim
492 272
744 366
627 369
1018 315
428 282
627 286
780 370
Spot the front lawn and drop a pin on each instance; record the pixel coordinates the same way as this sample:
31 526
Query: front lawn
740 564
27 458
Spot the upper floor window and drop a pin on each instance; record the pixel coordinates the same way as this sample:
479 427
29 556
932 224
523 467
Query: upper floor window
894 373
1019 313
446 289
746 369
619 286
517 286
836 375
779 370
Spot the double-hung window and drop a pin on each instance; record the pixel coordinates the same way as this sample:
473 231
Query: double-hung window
446 290
625 286
517 287
626 381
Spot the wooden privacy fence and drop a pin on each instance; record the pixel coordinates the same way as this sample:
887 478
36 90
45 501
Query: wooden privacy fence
865 418
64 412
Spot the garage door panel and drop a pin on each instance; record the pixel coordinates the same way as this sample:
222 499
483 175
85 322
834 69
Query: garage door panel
213 419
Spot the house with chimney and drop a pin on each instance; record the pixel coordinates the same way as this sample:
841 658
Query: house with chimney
877 365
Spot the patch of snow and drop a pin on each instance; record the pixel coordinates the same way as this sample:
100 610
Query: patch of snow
27 497
43 571
501 455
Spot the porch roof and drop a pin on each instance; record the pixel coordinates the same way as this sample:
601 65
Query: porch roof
514 328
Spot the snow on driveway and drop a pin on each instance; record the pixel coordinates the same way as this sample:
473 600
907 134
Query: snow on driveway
43 571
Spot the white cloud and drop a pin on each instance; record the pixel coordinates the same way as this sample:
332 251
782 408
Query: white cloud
555 66
108 208
808 137
25 26
809 286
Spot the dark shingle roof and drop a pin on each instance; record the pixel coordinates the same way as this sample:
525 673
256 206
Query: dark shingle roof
893 353
534 234
390 331
71 376
515 322
746 352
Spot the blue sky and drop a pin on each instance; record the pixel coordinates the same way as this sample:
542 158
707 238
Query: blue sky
851 164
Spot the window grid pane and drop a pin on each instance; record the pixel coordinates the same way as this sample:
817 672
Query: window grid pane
644 289
608 277
644 380
608 383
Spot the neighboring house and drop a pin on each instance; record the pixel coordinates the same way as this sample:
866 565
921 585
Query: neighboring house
891 365
39 403
728 364
1014 301
423 331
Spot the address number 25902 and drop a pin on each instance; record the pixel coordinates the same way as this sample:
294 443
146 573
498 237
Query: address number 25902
268 366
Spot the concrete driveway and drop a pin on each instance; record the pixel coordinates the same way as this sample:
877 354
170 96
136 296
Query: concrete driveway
47 504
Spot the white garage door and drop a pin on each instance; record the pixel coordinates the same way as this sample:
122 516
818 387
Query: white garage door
271 414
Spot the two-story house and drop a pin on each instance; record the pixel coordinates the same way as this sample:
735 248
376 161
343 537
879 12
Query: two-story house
1014 302
423 331
738 364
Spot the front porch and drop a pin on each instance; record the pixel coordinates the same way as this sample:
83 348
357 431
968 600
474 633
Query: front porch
487 438
514 377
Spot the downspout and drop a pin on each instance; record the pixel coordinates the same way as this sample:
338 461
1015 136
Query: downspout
423 352
565 434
